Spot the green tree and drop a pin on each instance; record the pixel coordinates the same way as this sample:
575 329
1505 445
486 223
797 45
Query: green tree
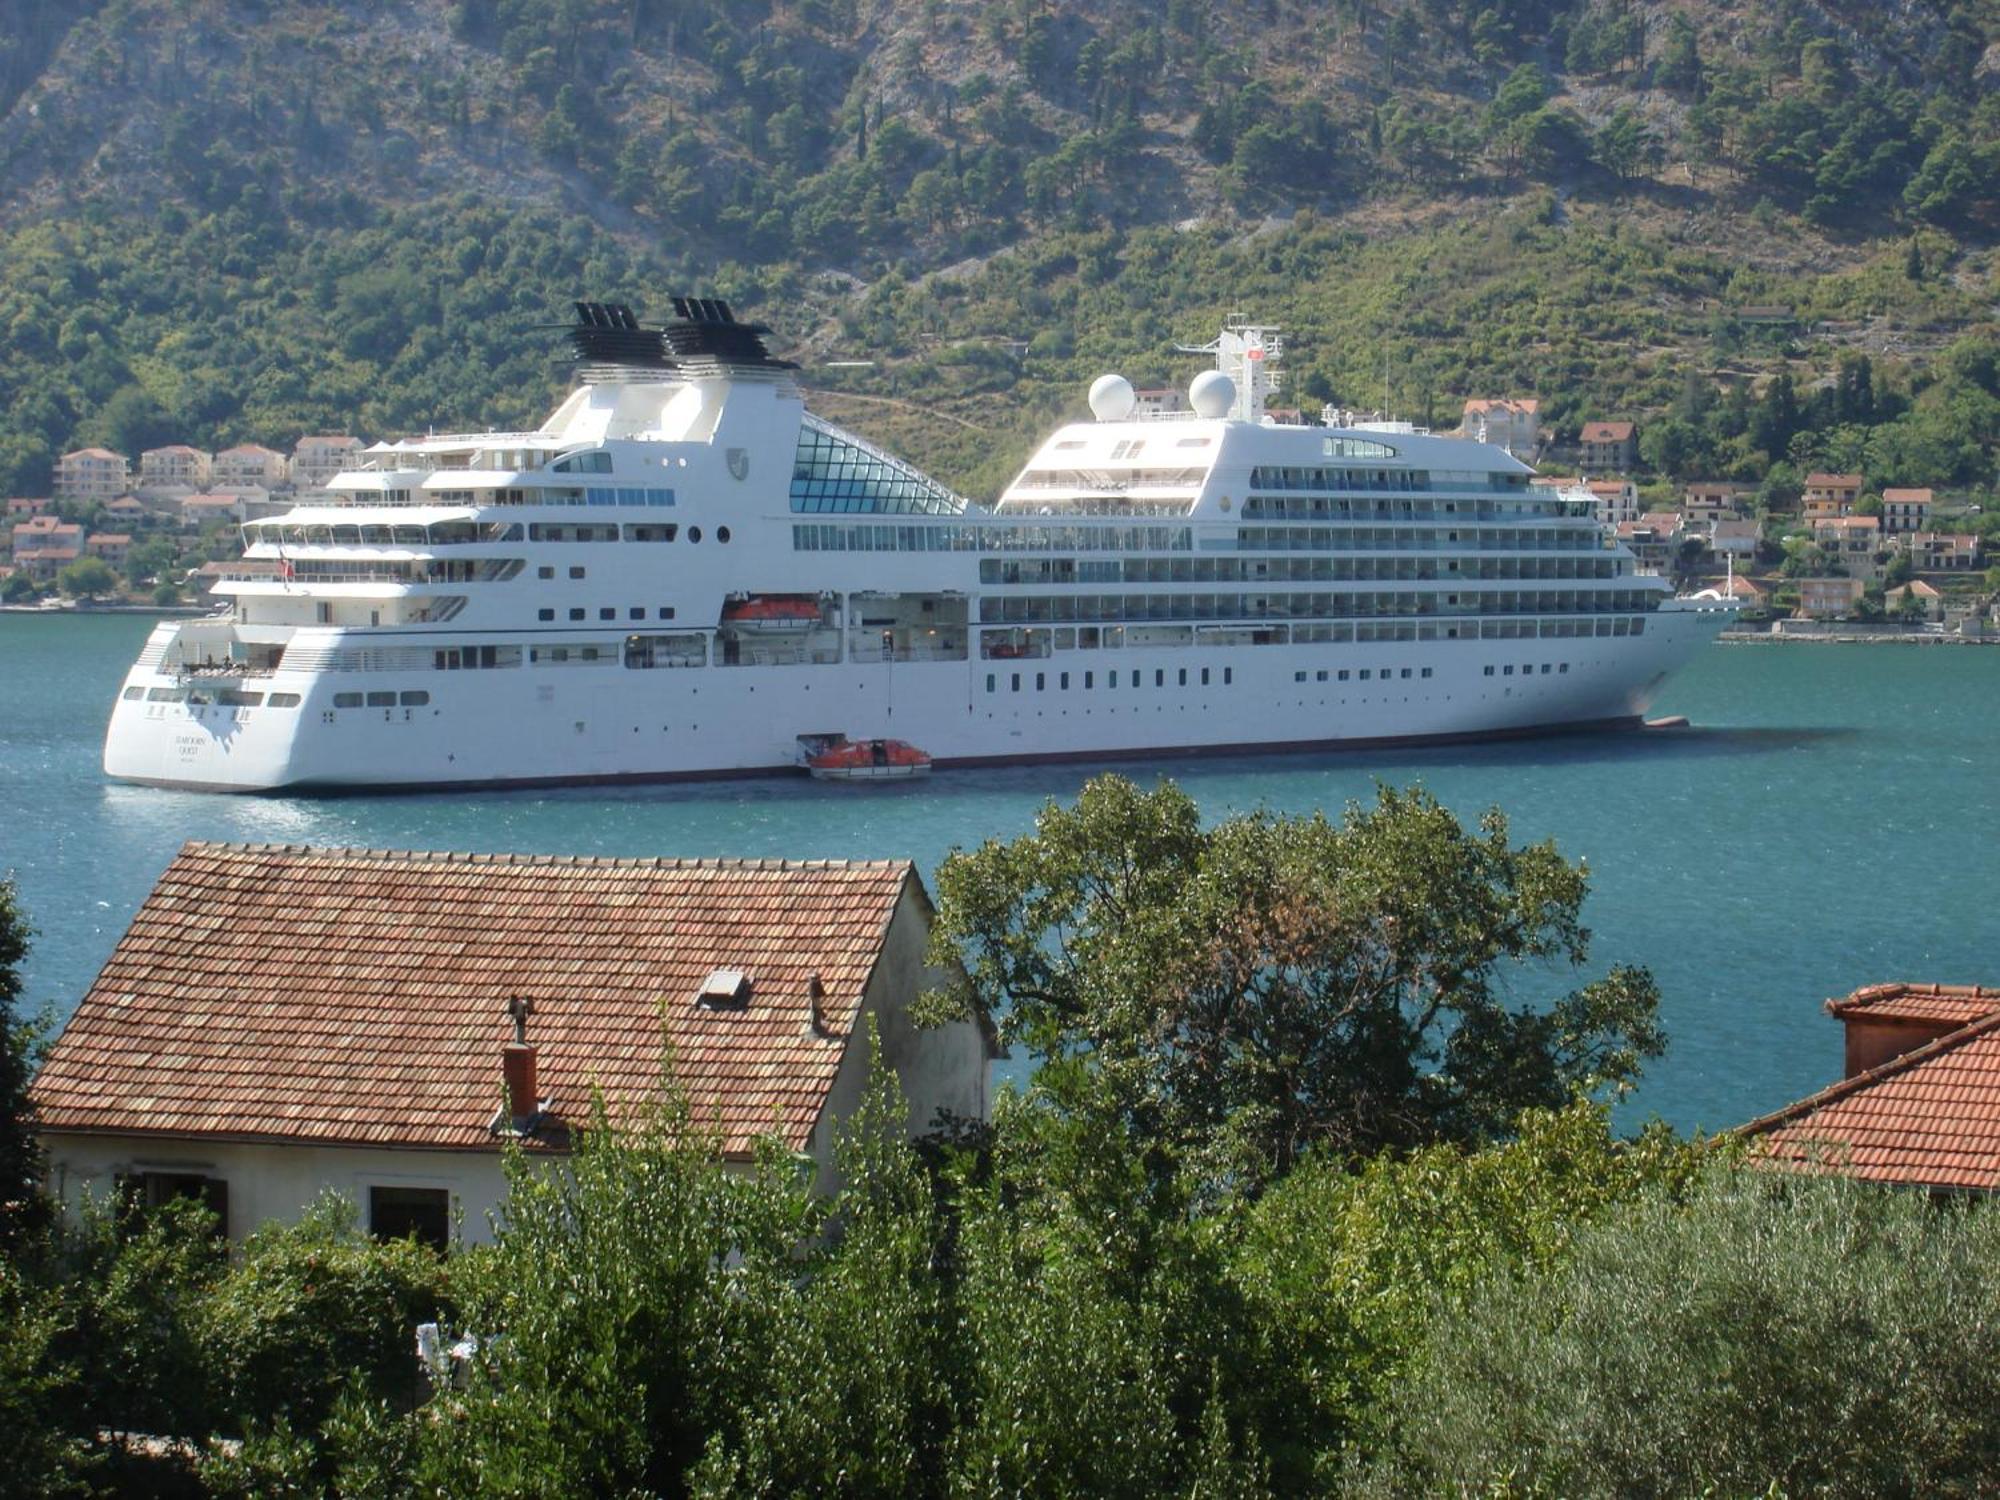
87 578
858 1397
1809 1336
1625 146
148 560
1678 67
1275 985
1344 1272
21 1204
17 588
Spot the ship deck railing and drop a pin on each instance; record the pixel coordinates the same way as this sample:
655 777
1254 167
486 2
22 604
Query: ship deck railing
934 653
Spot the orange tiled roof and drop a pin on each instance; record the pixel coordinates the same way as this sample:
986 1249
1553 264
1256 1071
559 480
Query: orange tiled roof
1897 497
350 996
1958 1004
1606 432
1833 481
1929 1118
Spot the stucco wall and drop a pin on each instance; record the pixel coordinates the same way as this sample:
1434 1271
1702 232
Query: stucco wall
276 1182
943 1067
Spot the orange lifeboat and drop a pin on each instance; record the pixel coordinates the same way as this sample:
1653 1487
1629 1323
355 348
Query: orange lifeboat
868 760
772 613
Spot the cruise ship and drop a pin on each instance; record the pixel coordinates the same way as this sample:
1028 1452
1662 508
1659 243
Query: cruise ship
685 573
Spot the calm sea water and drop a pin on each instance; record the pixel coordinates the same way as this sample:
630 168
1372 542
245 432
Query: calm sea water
1832 821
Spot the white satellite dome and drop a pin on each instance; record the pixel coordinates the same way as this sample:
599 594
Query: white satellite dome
1112 398
1212 394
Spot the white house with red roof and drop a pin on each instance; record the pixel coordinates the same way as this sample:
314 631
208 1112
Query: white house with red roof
316 459
1510 422
282 1020
175 469
249 465
92 475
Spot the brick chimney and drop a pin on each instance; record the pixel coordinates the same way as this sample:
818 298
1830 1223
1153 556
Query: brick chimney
517 1068
1883 1021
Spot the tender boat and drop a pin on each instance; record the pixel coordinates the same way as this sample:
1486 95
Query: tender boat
868 760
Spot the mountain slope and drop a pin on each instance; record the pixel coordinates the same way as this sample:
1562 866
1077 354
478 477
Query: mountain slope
240 218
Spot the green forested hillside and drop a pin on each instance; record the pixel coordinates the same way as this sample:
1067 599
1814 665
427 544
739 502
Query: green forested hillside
227 219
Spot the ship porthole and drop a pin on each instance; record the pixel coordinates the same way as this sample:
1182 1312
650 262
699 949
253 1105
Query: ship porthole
722 533
694 533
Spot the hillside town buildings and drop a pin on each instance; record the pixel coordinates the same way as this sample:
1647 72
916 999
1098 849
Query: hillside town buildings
1830 495
91 475
249 466
1510 422
1608 447
43 545
175 469
315 460
1905 510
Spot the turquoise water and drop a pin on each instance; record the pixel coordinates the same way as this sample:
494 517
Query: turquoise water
1830 822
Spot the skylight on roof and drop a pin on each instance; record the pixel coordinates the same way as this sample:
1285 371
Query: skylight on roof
724 987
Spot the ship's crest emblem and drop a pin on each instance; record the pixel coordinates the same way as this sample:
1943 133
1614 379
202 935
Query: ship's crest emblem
739 463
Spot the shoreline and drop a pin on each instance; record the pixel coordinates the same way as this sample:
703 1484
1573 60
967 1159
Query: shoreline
1850 638
163 610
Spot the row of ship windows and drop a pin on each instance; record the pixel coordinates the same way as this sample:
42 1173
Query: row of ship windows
1421 483
571 531
994 573
1042 640
1417 539
958 537
1136 678
1035 608
689 647
581 655
632 495
610 612
226 697
950 537
1282 477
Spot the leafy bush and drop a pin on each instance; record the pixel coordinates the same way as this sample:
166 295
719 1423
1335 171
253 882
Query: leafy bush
624 1312
1814 1335
311 1307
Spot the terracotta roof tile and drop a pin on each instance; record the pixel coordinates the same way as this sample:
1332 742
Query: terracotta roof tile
1929 1118
359 996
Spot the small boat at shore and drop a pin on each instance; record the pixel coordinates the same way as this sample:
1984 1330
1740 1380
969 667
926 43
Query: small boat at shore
868 760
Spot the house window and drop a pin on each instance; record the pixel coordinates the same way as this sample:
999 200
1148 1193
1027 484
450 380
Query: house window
396 1213
154 1189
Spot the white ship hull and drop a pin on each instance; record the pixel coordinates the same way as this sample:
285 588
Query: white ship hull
479 729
